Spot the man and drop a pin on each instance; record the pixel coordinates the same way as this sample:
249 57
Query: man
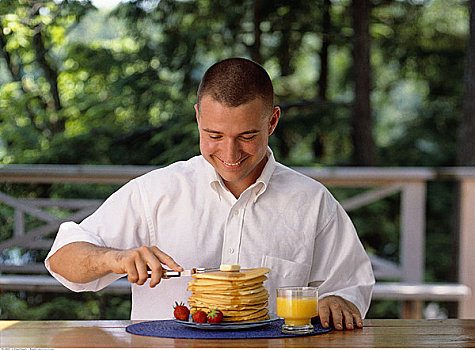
234 204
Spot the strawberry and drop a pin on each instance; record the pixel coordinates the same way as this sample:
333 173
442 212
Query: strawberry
215 316
181 312
199 316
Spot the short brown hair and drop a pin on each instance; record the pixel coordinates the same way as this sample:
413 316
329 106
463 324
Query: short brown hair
236 81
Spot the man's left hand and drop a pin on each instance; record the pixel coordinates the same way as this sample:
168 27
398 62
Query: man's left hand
345 314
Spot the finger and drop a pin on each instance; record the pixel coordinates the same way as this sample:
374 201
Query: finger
355 313
324 314
348 318
131 270
358 320
166 259
153 265
156 272
141 269
337 315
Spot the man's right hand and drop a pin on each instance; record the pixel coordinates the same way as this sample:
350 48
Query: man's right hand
137 263
83 262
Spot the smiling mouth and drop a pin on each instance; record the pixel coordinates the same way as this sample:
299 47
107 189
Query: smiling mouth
232 165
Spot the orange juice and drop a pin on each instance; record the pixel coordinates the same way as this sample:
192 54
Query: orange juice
297 310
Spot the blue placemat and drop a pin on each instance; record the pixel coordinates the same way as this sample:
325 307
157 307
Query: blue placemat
172 329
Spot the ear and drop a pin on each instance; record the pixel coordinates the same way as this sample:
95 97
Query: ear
197 114
274 119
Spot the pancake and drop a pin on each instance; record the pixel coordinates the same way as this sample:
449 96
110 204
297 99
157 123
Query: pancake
233 313
229 292
251 316
240 295
242 275
205 306
226 284
257 298
263 318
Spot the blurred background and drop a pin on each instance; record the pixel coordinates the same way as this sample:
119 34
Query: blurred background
361 84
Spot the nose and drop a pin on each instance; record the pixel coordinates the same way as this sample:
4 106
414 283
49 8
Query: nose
232 151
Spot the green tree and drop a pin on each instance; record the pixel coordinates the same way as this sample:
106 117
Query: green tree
466 141
361 118
86 86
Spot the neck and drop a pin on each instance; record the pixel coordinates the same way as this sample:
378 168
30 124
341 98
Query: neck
234 189
238 187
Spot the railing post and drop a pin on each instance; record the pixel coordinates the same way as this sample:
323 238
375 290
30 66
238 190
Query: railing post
413 211
413 205
467 245
19 223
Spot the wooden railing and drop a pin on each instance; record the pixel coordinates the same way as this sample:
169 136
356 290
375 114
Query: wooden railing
383 182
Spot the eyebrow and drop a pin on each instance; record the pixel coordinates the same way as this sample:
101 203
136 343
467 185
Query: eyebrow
252 131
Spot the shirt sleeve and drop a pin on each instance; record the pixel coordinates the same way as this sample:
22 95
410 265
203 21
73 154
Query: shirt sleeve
121 222
342 263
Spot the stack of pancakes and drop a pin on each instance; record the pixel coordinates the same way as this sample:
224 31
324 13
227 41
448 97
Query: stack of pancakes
240 296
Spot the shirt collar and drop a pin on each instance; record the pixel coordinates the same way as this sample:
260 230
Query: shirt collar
217 184
263 181
214 179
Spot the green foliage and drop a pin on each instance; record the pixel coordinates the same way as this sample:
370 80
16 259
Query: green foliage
7 218
384 309
427 139
127 79
126 83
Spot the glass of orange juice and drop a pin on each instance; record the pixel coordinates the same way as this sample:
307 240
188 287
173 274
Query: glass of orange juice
297 306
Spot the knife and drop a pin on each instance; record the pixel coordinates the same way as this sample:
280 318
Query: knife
171 273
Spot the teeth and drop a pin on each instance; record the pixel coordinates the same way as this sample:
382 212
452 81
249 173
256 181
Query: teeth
232 164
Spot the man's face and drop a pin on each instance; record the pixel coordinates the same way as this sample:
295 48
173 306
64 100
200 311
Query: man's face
234 139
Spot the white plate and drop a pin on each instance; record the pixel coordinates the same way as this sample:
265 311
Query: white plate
228 325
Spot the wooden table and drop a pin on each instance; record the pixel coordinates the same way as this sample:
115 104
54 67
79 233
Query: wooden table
106 334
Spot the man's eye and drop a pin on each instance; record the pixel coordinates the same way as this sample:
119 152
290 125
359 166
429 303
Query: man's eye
215 137
247 138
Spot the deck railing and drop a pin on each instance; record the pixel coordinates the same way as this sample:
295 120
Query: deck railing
382 182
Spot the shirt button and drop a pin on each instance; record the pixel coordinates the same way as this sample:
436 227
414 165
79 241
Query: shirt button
231 250
236 212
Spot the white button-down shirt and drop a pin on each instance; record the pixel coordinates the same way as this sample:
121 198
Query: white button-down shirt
285 221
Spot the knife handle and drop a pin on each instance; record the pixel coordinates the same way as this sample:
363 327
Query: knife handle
166 273
171 273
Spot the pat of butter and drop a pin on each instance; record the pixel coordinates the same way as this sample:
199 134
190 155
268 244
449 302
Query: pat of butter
232 268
